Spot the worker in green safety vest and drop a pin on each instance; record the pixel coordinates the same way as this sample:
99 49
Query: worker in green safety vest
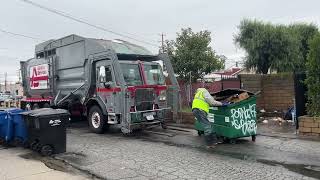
200 109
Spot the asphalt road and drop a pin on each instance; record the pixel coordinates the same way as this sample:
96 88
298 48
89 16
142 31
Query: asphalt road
180 154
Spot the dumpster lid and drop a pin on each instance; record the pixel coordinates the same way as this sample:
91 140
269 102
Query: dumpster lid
221 95
45 112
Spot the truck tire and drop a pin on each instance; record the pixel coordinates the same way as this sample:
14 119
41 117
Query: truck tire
97 120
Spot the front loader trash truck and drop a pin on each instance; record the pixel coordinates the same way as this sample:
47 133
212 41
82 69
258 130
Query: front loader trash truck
111 82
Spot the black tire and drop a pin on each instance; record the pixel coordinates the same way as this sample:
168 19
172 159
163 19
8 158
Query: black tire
35 146
232 141
200 133
97 120
164 126
253 138
18 141
46 150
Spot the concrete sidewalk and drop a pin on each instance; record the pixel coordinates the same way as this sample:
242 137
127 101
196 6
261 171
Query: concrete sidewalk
14 166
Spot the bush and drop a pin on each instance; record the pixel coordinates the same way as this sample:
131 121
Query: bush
313 77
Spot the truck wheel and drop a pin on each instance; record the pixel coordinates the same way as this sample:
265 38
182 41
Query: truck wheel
96 120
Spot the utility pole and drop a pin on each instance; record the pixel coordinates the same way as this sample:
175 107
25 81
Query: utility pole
162 42
5 81
19 75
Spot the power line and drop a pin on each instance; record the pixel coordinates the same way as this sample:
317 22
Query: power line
63 14
21 35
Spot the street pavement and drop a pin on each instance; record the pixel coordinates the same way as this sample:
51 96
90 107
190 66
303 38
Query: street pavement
21 164
179 154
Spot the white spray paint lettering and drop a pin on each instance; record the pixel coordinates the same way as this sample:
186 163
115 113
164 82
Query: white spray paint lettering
245 119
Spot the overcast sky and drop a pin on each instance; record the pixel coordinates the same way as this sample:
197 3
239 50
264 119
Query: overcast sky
143 19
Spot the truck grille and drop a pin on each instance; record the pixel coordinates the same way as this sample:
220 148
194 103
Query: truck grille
144 99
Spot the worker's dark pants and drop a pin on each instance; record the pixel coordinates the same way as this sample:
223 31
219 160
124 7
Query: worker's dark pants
201 116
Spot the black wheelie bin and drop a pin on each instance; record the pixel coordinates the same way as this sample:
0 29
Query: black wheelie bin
47 130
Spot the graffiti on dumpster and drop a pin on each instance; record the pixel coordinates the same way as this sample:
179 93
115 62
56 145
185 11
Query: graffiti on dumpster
245 119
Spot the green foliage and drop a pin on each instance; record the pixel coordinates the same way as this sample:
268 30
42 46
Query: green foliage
313 77
274 47
304 33
191 53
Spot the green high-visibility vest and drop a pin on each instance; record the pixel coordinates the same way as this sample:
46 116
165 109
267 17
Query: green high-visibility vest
200 102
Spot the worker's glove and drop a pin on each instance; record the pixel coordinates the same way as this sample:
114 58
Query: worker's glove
225 103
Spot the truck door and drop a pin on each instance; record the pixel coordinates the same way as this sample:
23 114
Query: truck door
106 84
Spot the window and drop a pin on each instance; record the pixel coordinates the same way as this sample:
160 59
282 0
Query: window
154 75
131 74
104 74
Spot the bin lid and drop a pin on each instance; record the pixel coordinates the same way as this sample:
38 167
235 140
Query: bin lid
45 112
12 110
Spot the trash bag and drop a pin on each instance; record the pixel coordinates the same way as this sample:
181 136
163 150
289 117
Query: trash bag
288 115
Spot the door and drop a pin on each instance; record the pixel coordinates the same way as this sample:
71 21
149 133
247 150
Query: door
105 84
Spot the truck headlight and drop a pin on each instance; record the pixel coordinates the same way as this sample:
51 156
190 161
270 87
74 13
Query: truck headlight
163 96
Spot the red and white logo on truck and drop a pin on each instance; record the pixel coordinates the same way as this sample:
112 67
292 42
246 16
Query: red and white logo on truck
39 76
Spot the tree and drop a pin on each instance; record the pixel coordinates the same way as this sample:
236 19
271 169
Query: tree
268 47
313 77
304 33
191 53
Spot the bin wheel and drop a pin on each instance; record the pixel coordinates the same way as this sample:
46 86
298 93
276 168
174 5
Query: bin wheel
97 120
18 141
1 141
232 141
253 138
200 133
46 150
36 146
33 145
164 126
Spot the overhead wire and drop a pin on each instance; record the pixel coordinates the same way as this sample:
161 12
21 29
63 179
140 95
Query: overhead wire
63 14
21 35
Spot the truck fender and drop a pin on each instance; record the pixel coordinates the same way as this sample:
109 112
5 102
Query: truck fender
96 101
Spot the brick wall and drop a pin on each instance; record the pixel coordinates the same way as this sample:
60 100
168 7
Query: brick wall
309 125
211 87
277 90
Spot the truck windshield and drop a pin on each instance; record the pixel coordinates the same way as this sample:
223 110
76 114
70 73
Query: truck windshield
131 74
154 75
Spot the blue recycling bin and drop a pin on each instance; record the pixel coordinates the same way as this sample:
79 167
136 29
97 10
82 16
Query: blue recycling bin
4 127
17 126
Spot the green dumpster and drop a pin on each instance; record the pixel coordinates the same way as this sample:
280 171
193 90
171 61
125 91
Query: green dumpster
233 121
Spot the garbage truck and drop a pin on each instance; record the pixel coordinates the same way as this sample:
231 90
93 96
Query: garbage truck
110 82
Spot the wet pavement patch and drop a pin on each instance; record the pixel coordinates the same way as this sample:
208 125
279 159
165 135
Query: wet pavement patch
72 157
50 162
306 170
60 165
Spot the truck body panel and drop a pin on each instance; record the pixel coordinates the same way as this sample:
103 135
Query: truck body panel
78 73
